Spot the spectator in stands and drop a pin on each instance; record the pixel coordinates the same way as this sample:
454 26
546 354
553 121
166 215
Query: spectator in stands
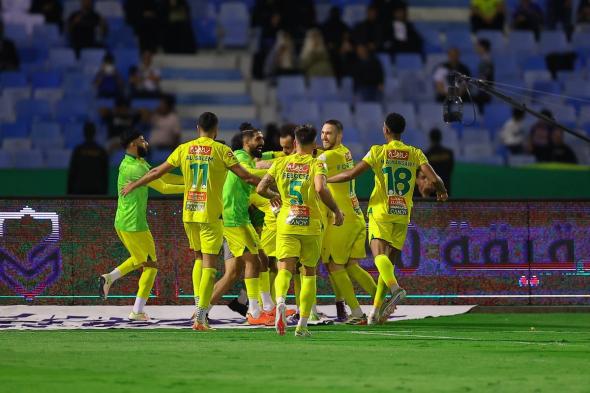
52 10
145 80
583 14
560 152
9 60
367 74
560 12
385 8
89 158
528 15
281 60
334 29
441 158
177 32
108 81
119 119
513 132
487 15
400 35
314 59
485 70
83 26
271 138
143 16
539 143
165 125
345 62
369 32
441 74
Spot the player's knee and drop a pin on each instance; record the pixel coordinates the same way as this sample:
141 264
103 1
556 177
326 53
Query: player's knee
334 267
308 271
198 255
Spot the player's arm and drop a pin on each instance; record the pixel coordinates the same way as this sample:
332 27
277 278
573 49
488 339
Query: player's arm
153 174
263 164
171 178
439 185
323 191
264 188
350 174
243 174
164 187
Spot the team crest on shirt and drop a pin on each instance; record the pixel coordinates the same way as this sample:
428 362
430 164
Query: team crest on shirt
348 156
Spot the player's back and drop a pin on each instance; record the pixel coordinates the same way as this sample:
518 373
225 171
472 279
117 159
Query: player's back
300 211
204 163
394 165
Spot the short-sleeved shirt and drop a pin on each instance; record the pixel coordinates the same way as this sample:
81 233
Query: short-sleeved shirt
236 194
204 164
338 160
395 167
300 209
487 7
131 209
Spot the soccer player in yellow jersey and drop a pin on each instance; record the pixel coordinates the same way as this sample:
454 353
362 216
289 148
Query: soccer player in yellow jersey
343 246
131 222
390 205
301 181
204 164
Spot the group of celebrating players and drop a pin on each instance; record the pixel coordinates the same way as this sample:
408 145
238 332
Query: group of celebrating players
311 213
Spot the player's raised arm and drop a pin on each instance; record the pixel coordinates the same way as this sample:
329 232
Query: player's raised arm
243 174
350 174
153 174
164 187
439 185
326 196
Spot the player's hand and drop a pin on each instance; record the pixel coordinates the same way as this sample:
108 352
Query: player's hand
338 218
127 189
276 202
442 196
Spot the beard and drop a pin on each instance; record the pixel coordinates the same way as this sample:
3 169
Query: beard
141 151
257 152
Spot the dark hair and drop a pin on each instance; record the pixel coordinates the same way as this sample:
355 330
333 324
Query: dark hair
121 101
305 134
518 113
395 123
246 126
435 135
89 130
335 123
108 57
129 136
485 43
547 113
236 142
287 130
208 121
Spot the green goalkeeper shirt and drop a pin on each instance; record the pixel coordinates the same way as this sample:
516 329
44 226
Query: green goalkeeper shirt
236 194
131 209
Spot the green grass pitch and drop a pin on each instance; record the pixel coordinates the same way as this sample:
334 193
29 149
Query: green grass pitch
468 353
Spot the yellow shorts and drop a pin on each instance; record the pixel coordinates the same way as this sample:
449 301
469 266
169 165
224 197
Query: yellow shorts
305 247
393 233
268 240
205 237
344 242
240 239
140 245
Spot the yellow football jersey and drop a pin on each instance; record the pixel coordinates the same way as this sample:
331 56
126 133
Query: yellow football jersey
204 164
338 160
300 210
395 167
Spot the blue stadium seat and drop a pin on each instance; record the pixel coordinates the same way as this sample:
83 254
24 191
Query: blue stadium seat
70 109
47 35
584 114
415 138
521 41
581 39
577 89
303 112
158 156
109 9
28 159
13 79
416 86
42 79
347 88
406 109
290 88
7 112
5 159
32 56
40 130
496 115
408 61
496 38
145 103
34 109
533 63
92 56
429 115
62 57
563 113
235 21
18 129
16 144
353 14
50 94
323 88
16 94
58 158
477 151
459 39
125 58
73 134
506 67
521 160
337 110
115 158
543 88
475 135
368 117
17 33
430 36
530 77
385 60
204 30
553 41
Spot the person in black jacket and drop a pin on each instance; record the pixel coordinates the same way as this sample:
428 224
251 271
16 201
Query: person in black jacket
89 166
400 35
367 74
9 60
560 152
441 158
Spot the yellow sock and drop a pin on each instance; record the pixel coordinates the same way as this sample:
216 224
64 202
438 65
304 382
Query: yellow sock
343 282
282 283
308 291
380 293
146 282
385 268
297 288
272 277
252 288
264 278
206 287
365 280
128 266
197 270
337 291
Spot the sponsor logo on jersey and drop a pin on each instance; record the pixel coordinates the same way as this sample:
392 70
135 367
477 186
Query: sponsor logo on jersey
398 155
199 150
297 168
